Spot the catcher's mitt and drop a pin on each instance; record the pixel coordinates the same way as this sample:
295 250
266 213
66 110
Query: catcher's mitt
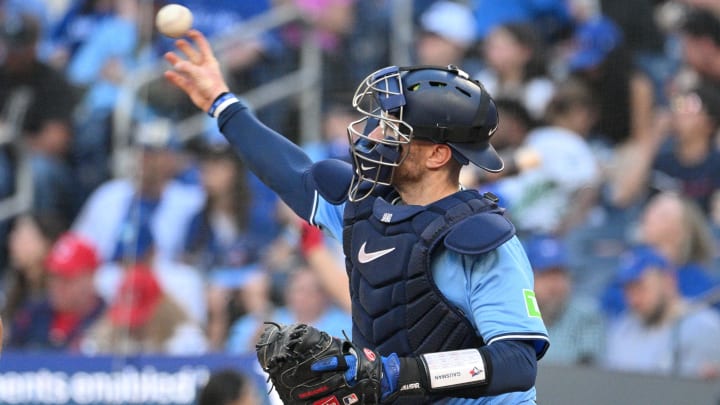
307 366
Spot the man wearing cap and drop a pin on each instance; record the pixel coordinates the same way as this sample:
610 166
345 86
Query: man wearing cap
154 197
72 305
573 321
661 333
144 319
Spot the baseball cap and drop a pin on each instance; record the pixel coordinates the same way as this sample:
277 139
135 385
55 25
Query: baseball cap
595 39
545 252
72 255
634 263
137 298
157 134
450 20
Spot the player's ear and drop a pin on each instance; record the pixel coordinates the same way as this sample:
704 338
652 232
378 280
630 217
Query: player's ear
438 155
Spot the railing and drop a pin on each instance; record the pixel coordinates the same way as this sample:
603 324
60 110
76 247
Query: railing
13 116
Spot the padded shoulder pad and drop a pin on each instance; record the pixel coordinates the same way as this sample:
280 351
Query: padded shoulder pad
332 179
479 233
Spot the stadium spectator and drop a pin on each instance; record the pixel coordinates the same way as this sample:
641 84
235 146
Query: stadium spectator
700 37
305 302
228 387
41 102
144 319
515 67
60 320
515 123
330 24
221 235
661 333
675 227
678 229
539 199
95 45
137 248
25 280
640 25
445 35
624 94
549 15
574 321
682 158
253 294
150 197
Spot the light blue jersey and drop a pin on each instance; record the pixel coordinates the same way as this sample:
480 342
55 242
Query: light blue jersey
496 288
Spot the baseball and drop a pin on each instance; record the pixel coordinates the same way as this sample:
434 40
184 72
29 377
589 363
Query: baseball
174 20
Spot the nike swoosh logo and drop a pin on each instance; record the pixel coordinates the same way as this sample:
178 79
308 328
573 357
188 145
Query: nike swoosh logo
367 257
362 166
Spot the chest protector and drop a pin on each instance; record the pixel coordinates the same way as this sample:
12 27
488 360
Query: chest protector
397 307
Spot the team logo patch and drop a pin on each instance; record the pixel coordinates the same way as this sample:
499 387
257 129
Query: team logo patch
369 354
474 372
533 310
350 399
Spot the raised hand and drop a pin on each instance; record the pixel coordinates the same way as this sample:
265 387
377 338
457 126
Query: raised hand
197 72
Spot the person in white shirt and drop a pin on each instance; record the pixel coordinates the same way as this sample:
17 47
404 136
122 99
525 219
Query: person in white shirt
546 198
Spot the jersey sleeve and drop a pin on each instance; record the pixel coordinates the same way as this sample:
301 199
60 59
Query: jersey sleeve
328 217
277 162
496 291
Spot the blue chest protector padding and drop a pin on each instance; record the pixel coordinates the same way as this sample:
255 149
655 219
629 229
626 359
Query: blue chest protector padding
396 305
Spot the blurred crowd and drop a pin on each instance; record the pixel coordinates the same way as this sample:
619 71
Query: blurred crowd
609 128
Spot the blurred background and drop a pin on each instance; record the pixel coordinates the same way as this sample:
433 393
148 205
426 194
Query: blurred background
139 257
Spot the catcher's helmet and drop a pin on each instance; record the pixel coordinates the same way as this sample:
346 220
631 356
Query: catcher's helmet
441 105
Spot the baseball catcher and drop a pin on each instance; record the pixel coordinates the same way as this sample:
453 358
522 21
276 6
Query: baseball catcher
442 296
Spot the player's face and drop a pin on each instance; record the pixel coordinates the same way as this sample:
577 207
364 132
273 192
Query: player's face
412 169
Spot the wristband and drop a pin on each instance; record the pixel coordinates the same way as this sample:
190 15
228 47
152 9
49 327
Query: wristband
221 103
454 369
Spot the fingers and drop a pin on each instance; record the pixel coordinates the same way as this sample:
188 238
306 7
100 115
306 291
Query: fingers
172 58
202 44
198 54
178 80
192 55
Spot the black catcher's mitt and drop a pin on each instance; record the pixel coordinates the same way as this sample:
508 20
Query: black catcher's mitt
308 366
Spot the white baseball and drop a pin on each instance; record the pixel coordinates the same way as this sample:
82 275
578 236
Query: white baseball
174 20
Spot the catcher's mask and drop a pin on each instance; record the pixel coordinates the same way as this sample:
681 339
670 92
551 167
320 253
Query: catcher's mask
436 104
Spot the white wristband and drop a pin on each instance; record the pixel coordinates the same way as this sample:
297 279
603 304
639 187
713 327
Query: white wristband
221 103
454 368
